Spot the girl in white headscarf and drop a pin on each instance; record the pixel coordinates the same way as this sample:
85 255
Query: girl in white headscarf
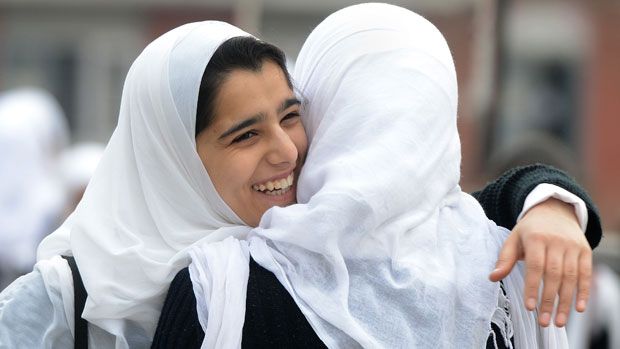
148 201
151 200
33 131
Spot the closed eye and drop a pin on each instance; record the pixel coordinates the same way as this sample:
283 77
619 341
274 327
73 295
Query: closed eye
244 137
290 118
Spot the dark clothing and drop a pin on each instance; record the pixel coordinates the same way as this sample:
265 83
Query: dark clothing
178 325
272 318
502 199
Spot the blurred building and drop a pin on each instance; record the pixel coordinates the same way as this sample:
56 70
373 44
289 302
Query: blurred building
559 79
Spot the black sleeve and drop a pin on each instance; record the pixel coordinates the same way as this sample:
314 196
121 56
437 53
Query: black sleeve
178 325
502 199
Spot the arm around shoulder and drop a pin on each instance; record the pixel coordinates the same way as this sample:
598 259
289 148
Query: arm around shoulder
503 198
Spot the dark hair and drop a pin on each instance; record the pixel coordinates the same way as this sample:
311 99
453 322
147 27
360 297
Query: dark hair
243 52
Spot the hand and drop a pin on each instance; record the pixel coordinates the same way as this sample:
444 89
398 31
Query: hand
553 245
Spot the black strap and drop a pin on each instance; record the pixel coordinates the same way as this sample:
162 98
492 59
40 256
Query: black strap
79 299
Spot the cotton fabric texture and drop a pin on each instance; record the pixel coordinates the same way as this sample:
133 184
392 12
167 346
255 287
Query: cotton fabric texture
383 249
150 197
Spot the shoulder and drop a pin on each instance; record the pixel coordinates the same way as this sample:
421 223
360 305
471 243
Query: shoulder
178 325
28 290
31 316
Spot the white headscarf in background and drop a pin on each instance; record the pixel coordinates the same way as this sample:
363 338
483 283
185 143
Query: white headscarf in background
33 130
383 249
78 164
150 197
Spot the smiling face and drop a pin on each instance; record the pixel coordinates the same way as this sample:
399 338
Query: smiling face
254 148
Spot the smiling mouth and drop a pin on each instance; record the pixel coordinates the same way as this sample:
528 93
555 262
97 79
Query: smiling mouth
276 187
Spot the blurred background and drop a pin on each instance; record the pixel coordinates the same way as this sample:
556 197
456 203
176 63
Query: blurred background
538 80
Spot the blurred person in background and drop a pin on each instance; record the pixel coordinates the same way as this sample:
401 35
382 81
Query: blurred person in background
77 165
532 147
599 326
33 133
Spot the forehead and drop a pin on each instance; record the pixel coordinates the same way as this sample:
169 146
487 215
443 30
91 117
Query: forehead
246 93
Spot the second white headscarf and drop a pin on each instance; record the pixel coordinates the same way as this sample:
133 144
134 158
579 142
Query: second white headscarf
386 252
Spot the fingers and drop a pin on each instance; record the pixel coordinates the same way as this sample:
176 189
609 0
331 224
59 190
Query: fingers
507 258
553 276
585 277
555 249
567 288
534 268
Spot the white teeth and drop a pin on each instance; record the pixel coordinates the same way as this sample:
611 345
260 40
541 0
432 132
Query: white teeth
276 187
278 192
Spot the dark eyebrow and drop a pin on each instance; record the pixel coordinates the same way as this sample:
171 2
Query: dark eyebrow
257 118
288 103
243 124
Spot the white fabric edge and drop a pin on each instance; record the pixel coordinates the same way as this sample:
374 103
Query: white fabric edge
56 273
219 273
545 191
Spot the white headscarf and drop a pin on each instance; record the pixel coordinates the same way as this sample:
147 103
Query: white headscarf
383 249
33 130
150 197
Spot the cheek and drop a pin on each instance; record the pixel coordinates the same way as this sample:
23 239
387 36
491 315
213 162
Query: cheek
235 172
300 139
227 177
222 172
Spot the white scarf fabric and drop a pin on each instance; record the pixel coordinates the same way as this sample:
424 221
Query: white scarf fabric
33 131
150 197
383 249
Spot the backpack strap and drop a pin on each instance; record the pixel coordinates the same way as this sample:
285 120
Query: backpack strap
79 300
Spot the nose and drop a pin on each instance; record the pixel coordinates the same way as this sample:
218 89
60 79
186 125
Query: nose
282 149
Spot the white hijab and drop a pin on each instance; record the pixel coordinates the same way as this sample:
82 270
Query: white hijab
33 131
150 197
383 249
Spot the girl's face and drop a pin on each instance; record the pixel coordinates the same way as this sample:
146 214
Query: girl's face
255 146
